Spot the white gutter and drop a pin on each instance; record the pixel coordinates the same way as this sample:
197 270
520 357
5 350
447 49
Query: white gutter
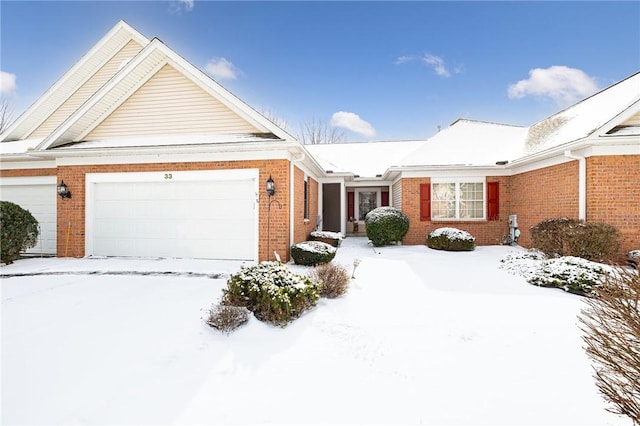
582 183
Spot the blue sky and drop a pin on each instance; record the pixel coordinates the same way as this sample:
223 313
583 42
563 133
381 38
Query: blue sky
377 70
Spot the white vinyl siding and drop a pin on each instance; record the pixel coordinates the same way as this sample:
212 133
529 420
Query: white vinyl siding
86 90
170 103
396 189
633 121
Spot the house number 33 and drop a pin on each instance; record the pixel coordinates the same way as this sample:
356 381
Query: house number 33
168 176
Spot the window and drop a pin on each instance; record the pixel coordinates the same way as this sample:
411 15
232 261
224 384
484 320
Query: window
367 201
306 199
457 200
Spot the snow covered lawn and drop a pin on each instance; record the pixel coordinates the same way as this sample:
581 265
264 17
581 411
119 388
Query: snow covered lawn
422 337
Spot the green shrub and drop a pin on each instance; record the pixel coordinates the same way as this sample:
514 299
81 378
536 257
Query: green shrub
451 239
570 237
332 278
311 253
385 225
272 292
227 318
18 229
333 238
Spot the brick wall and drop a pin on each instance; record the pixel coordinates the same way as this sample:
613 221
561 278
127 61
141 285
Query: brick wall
28 172
302 227
613 196
486 232
543 194
71 212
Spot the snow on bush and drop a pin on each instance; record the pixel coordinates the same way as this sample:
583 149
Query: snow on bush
633 257
311 253
385 225
570 273
272 292
333 238
451 239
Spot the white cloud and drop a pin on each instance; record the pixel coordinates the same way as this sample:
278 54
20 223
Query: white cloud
7 83
437 63
404 59
353 122
179 6
222 69
562 84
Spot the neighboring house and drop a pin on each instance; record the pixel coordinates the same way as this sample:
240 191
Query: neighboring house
161 161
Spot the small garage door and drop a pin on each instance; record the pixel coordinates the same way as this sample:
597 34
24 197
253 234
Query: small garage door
38 195
209 215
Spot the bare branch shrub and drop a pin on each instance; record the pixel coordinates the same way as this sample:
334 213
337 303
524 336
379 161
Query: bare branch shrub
317 131
227 318
333 279
611 324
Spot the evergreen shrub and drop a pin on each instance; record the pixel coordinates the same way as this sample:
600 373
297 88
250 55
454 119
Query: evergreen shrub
386 225
311 253
18 230
272 292
451 239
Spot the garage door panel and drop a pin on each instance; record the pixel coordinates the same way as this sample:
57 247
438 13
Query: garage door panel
40 200
200 218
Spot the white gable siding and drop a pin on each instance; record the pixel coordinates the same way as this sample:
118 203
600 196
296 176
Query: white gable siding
633 121
396 191
86 90
170 103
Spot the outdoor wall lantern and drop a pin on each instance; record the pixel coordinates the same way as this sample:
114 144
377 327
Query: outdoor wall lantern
271 186
63 190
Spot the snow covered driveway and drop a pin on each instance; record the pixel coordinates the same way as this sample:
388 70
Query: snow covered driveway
422 337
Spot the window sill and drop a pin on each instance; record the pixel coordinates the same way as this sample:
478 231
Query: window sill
459 220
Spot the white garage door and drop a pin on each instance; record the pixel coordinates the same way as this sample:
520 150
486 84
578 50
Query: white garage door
38 195
209 214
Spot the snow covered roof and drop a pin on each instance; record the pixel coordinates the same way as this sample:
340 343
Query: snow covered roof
19 147
469 143
365 159
584 118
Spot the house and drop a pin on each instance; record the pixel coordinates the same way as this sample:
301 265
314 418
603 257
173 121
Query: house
161 161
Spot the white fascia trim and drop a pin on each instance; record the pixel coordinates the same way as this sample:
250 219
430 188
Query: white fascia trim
620 118
368 183
540 164
28 164
458 178
173 158
29 180
609 150
454 173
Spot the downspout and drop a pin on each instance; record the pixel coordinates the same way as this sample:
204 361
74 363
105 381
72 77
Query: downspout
291 195
582 183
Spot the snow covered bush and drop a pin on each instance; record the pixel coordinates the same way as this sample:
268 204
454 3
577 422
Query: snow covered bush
311 253
332 278
385 225
451 239
272 292
611 326
572 274
633 257
570 237
18 231
227 318
333 238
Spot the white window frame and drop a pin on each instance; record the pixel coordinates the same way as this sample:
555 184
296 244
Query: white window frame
457 182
